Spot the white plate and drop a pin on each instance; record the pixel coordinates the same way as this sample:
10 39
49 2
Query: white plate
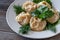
10 17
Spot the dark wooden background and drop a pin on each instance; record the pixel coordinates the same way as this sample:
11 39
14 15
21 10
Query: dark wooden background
5 32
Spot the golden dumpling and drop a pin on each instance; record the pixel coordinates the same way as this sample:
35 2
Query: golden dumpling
23 18
37 24
29 6
44 3
54 18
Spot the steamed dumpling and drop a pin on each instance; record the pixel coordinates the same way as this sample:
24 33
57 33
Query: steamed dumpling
29 6
54 18
44 3
37 24
23 18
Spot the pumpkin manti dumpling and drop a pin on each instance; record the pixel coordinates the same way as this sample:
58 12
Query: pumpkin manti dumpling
44 3
29 6
54 18
23 18
37 24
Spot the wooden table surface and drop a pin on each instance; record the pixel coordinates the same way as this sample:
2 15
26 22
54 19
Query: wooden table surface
5 32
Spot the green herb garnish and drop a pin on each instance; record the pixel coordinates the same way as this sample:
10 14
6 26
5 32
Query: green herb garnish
37 1
42 12
42 9
35 13
52 27
46 14
24 29
18 9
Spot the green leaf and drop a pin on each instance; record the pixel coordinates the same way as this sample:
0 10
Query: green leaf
18 9
35 13
42 16
42 12
42 8
24 29
45 12
51 27
37 1
49 1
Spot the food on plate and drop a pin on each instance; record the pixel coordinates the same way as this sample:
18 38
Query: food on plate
44 3
29 6
23 18
54 18
37 24
36 15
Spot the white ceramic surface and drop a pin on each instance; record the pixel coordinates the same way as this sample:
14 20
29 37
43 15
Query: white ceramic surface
56 4
14 25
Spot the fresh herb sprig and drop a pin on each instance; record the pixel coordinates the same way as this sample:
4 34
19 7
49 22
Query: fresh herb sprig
35 13
42 12
24 29
37 1
52 27
18 9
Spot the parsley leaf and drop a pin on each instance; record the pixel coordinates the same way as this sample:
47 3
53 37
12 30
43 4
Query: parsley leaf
51 27
35 13
42 9
42 12
37 1
18 9
45 12
49 1
24 29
